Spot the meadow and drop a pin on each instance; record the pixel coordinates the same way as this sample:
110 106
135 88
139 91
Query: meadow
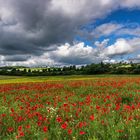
70 108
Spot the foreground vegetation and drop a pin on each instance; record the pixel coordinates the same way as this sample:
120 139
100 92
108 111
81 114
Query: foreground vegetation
104 108
101 68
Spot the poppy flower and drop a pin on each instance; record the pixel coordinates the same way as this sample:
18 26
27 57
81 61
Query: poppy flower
45 128
10 129
91 117
58 119
82 132
69 131
19 128
21 134
64 125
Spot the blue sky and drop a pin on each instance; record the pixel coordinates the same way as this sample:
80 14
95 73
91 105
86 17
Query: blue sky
123 16
129 18
64 32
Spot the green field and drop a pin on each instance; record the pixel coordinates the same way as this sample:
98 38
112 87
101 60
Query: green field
101 107
24 79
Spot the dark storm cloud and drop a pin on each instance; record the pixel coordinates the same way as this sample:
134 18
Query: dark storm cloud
11 44
27 25
17 57
47 26
32 26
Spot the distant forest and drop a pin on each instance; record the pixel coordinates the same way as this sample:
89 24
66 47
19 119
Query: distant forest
101 68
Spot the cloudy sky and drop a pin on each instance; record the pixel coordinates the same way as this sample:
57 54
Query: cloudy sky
67 32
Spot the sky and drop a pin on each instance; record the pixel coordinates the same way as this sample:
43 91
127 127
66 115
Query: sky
68 32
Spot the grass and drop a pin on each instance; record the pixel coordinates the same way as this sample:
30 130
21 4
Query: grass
25 79
70 108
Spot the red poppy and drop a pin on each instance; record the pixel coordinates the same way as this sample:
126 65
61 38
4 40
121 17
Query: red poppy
19 119
81 124
3 115
45 128
12 110
21 134
58 119
39 123
28 126
92 117
117 107
70 131
19 128
120 130
10 129
82 132
64 125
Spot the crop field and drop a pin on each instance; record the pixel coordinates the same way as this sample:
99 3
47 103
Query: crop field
70 108
25 79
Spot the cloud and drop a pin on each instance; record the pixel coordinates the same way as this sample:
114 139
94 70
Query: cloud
102 44
120 47
134 43
35 27
76 54
33 24
129 31
135 59
80 54
66 54
138 57
105 29
130 3
16 58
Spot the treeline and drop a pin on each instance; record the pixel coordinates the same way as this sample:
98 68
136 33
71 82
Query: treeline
101 68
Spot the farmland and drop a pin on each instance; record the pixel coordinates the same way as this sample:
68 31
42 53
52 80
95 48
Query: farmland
70 108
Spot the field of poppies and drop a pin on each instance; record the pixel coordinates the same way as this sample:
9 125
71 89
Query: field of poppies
105 108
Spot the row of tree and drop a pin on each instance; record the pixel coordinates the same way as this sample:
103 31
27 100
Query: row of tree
101 68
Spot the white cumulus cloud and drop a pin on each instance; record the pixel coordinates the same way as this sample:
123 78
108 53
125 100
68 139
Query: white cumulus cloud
121 46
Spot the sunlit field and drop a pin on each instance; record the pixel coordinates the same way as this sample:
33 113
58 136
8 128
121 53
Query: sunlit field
70 108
